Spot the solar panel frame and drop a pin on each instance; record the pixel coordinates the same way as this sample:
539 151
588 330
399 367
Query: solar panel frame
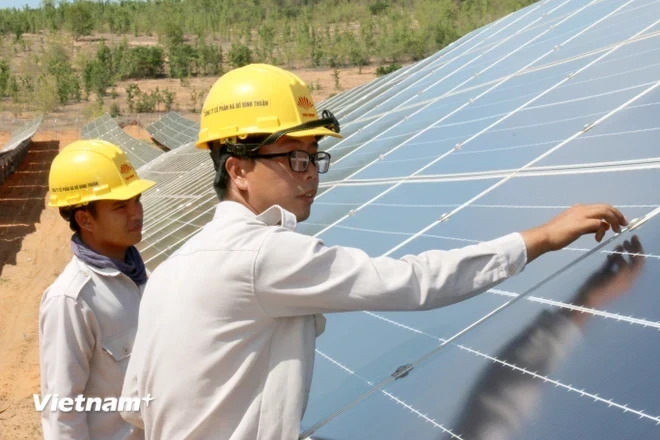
173 130
14 151
106 128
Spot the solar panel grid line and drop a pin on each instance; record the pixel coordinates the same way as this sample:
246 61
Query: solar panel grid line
178 184
547 153
431 65
591 311
414 143
179 242
472 241
609 402
157 226
578 169
106 128
397 400
170 208
173 130
175 212
500 149
446 116
454 205
471 326
435 69
457 70
405 106
469 102
174 218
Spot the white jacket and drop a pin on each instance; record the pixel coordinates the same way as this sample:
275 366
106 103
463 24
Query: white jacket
226 335
87 325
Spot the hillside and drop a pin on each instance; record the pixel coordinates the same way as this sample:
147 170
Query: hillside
88 57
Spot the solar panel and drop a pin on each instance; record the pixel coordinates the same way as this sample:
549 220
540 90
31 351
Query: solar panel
106 128
13 152
553 105
173 130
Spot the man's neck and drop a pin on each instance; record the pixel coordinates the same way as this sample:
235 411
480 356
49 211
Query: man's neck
238 198
116 253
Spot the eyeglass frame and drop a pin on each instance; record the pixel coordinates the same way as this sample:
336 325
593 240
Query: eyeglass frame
313 158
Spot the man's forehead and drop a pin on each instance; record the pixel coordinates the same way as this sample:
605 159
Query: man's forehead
286 142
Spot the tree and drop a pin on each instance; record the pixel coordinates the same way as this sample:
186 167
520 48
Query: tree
209 59
80 18
183 59
239 55
5 74
59 67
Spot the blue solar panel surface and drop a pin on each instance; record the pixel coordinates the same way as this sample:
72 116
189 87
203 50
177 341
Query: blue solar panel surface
106 128
173 130
553 105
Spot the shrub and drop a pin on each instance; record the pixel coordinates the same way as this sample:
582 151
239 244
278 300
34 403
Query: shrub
384 70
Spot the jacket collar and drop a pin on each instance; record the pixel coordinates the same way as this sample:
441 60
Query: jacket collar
273 216
105 272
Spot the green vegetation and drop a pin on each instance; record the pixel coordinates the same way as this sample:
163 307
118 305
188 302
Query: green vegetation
191 35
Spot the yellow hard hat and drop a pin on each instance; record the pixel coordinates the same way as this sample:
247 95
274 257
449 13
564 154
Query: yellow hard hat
260 99
90 170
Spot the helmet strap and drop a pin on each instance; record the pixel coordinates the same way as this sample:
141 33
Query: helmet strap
328 120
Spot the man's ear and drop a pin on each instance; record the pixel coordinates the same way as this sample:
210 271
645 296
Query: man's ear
84 219
236 169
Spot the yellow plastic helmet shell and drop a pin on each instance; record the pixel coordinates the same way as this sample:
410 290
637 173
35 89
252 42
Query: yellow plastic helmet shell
257 99
90 170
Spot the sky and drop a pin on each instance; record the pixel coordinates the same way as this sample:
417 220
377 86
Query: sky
19 3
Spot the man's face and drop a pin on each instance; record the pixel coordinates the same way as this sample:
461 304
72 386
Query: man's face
117 224
273 182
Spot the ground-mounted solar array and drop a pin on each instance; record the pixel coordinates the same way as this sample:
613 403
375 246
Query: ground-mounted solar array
173 130
554 105
106 128
13 152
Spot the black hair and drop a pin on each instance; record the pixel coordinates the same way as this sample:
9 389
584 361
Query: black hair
219 155
69 214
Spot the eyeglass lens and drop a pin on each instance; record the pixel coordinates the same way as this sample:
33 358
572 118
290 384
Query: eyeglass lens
299 161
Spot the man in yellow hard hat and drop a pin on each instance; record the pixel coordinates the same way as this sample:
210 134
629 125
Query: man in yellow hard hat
227 329
88 316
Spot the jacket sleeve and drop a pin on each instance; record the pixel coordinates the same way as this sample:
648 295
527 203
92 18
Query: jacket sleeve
295 274
130 388
66 344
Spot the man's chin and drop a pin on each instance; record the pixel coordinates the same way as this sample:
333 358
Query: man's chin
303 215
134 238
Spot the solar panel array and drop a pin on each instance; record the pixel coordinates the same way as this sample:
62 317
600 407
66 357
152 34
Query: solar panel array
106 128
556 104
173 130
14 151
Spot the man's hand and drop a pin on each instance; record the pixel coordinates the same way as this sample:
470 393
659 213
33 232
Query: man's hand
571 225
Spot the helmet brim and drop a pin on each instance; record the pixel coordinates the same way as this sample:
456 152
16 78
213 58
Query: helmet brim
133 189
127 192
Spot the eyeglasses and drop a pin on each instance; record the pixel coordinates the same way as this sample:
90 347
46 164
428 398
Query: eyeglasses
299 160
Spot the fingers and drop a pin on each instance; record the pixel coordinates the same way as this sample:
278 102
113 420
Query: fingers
600 232
610 214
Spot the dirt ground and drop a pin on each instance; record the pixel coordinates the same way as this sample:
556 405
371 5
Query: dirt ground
34 240
33 251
